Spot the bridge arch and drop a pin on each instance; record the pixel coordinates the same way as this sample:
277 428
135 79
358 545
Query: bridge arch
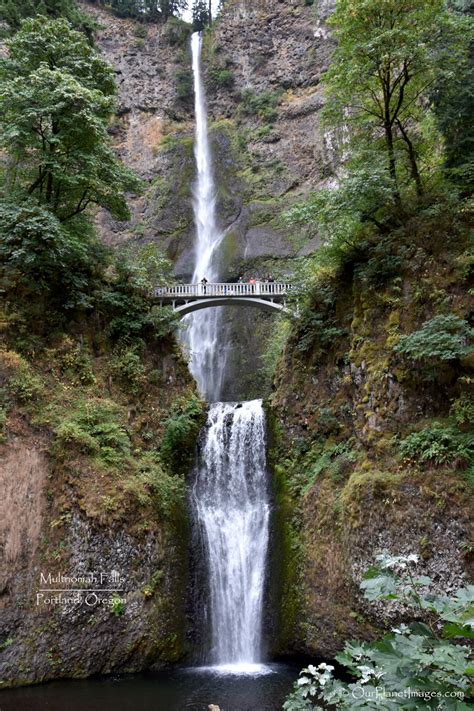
197 305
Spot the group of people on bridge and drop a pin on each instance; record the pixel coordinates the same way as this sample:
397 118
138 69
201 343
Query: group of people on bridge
225 289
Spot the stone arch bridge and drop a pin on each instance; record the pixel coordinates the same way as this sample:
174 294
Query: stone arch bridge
186 298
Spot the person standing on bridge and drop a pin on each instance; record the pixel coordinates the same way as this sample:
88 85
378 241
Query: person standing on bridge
203 284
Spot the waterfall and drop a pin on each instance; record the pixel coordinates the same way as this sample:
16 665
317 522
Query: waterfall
228 495
207 364
229 500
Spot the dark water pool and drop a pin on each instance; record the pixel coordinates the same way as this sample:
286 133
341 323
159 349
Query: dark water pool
176 690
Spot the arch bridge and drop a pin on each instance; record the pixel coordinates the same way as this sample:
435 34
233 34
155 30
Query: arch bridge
186 298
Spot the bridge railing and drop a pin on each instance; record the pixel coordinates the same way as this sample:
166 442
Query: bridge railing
259 288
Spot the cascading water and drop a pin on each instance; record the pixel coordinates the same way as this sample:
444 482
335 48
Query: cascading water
230 503
207 363
229 495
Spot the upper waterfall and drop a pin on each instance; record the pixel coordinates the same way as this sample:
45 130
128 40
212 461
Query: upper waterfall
204 202
207 362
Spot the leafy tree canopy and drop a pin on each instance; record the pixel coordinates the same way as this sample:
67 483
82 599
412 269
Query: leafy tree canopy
201 15
13 12
388 59
56 98
147 10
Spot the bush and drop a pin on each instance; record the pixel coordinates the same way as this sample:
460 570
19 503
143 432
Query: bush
128 367
438 444
25 384
181 430
415 666
262 105
72 434
117 607
184 85
223 78
443 338
95 428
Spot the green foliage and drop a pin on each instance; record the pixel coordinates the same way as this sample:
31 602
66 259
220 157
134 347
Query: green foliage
454 108
364 196
25 384
222 78
95 428
438 444
385 63
179 436
117 606
124 299
201 16
145 10
56 98
442 338
13 12
42 259
413 664
262 105
167 490
275 346
317 326
177 32
127 365
184 84
75 363
462 410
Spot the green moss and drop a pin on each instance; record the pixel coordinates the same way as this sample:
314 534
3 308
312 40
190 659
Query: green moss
361 488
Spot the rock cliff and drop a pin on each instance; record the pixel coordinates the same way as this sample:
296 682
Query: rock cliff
88 509
262 64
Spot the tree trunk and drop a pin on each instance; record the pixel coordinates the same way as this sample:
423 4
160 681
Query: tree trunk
415 174
210 13
392 166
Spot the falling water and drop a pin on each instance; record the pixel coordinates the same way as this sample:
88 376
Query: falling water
207 364
229 497
230 503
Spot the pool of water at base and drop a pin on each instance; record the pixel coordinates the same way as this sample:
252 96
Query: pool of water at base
262 688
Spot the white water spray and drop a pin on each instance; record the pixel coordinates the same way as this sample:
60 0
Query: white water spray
207 364
230 502
229 497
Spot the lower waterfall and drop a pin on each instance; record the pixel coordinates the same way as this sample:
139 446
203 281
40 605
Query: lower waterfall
231 510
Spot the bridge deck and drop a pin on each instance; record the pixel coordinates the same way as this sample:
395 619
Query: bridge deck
273 291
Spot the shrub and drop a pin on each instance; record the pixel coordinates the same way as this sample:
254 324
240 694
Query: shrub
117 607
262 105
95 428
462 411
222 77
75 362
413 658
128 367
181 429
25 384
72 434
442 338
438 444
184 84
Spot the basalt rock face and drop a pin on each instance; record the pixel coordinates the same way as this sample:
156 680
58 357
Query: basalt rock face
343 401
94 564
262 64
272 53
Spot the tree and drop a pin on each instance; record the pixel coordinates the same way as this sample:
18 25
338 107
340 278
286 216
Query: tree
454 107
13 12
171 8
56 99
201 15
388 58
